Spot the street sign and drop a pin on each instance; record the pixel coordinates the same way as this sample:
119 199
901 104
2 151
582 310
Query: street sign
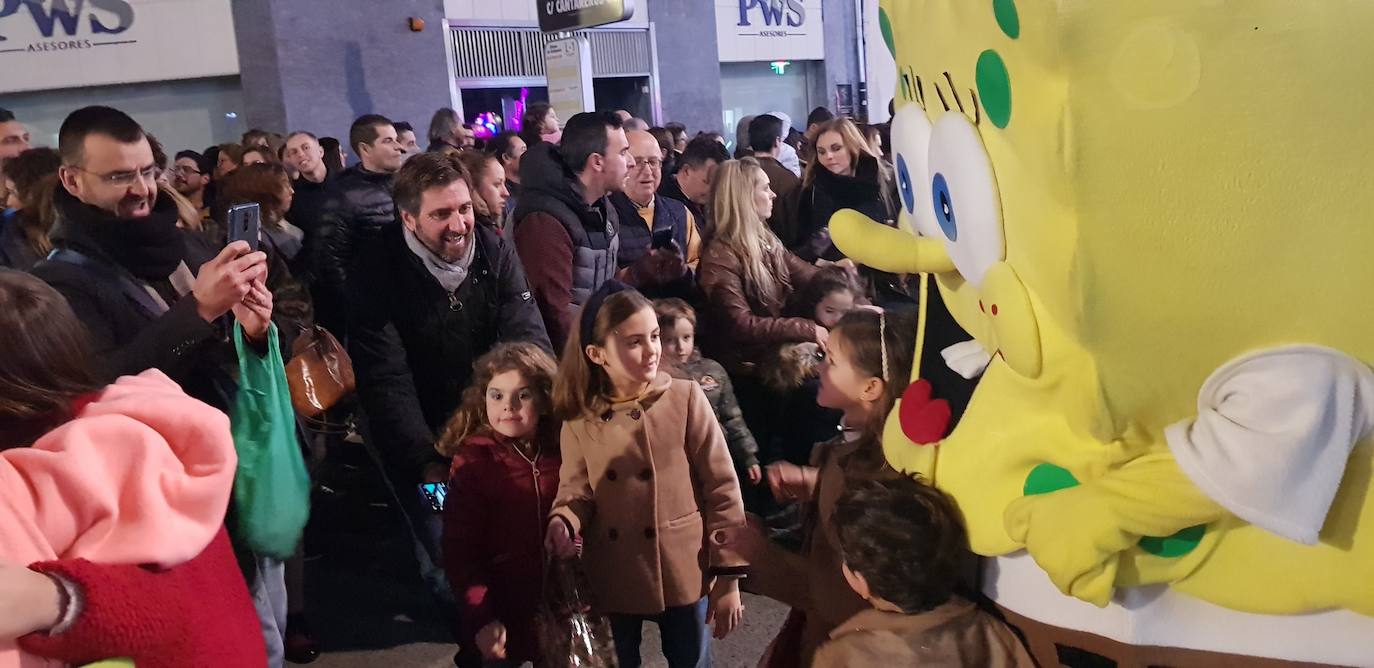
568 64
569 15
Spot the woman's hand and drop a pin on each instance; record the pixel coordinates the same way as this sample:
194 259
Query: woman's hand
558 541
822 336
254 312
29 602
725 609
491 641
790 482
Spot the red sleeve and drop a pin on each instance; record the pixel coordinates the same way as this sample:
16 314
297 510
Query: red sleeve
465 534
546 250
198 613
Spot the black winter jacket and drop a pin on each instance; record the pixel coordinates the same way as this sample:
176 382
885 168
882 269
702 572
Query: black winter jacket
413 344
127 338
307 213
356 210
871 191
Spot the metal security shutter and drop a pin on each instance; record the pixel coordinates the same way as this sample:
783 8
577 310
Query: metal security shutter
512 54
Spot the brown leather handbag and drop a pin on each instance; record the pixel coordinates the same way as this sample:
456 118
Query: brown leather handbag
320 372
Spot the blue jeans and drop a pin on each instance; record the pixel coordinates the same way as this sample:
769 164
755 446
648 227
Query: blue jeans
686 639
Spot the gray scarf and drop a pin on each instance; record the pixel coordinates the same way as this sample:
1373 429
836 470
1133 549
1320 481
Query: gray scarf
449 274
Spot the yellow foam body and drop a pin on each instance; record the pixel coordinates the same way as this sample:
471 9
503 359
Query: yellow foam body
1180 182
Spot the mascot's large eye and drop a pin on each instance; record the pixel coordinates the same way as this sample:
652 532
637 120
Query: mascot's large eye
964 202
911 150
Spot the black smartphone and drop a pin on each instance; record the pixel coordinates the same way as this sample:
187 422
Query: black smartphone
662 238
245 224
434 493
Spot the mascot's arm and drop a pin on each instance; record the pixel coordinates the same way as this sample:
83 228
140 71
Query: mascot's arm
1273 435
1077 534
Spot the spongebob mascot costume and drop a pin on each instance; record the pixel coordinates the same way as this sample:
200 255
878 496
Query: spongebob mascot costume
1156 220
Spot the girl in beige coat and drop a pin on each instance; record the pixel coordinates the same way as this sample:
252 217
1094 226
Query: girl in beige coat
647 483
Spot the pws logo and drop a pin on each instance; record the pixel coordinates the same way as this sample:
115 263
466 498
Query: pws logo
62 23
792 13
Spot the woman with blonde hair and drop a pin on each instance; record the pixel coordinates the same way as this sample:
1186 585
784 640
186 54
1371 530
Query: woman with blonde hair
747 276
845 174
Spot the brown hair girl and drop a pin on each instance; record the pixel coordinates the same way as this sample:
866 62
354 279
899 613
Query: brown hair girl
882 345
47 362
264 184
529 360
582 387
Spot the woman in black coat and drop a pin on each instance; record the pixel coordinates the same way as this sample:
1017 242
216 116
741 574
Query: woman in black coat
845 174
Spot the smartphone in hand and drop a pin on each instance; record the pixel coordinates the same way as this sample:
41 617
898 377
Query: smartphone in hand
662 238
245 224
434 494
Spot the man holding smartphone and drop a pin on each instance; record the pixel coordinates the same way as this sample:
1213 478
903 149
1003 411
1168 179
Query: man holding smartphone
127 271
660 243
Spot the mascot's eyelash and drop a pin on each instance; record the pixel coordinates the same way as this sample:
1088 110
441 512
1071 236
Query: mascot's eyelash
954 90
977 115
941 93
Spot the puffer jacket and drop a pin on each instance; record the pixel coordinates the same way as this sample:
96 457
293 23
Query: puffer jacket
740 326
568 247
355 212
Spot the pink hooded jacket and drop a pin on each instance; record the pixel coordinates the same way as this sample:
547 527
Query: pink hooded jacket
141 475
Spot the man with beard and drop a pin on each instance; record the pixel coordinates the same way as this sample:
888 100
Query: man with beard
428 298
566 228
127 271
190 175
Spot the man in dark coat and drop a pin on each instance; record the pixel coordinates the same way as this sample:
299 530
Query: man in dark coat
566 229
126 270
696 170
428 298
765 140
310 192
356 210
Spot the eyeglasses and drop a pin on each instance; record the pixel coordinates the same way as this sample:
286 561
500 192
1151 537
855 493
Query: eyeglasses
184 171
653 163
125 179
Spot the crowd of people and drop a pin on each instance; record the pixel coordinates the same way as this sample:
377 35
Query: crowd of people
522 314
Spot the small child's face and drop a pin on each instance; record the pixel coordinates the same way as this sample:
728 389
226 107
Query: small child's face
679 341
512 406
833 306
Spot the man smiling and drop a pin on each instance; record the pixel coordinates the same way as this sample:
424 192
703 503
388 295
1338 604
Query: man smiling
431 296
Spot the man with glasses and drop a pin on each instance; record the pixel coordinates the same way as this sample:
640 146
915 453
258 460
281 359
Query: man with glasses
123 263
14 137
644 214
190 175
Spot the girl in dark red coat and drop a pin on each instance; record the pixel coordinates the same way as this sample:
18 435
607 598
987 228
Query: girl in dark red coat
502 484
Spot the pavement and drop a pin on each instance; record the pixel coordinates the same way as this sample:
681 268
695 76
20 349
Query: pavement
368 607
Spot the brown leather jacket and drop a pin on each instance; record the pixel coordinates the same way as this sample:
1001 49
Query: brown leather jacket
742 327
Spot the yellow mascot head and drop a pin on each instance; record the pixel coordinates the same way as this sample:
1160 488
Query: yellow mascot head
1137 208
